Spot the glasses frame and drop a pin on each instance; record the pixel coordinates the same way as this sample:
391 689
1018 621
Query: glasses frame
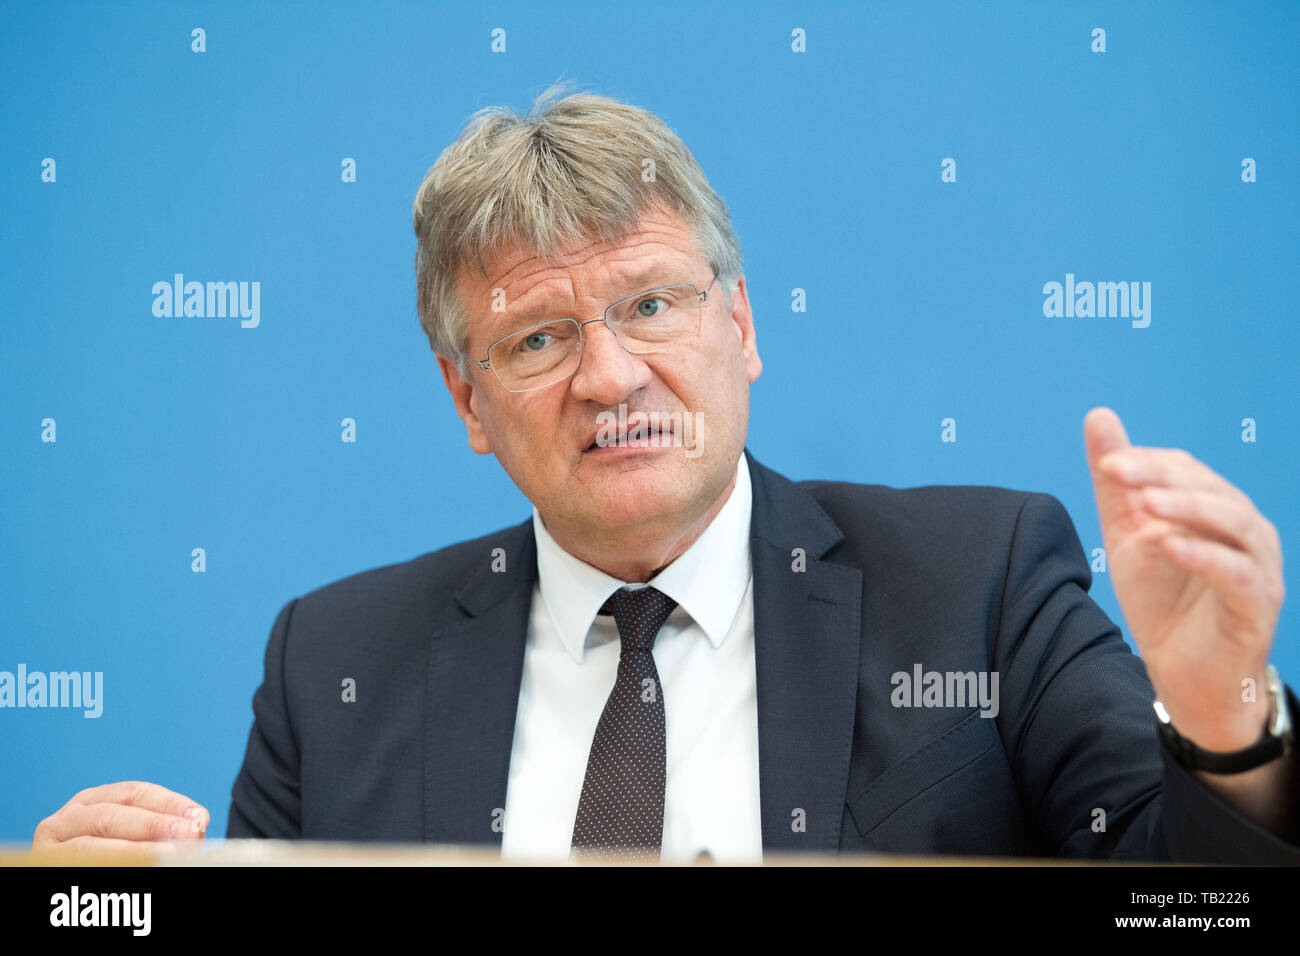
486 363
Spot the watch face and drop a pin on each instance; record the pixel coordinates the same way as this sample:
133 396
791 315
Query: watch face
1279 711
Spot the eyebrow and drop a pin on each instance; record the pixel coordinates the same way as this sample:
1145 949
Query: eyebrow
649 277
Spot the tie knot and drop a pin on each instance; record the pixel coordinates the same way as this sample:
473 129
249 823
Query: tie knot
639 613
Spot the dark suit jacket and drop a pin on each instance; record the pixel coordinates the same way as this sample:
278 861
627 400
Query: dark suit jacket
954 578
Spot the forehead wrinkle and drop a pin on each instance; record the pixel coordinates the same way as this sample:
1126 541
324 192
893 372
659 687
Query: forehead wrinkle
538 295
675 237
628 252
656 227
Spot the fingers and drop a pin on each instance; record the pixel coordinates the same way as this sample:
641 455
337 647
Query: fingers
1229 545
1137 466
121 822
1173 485
149 796
1228 571
1103 435
1225 519
1207 525
130 811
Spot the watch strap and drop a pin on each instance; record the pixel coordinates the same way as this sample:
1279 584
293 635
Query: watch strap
1193 757
1272 743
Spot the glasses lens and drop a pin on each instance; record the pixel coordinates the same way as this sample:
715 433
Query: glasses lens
647 321
537 356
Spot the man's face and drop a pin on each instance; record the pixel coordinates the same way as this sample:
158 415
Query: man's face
543 438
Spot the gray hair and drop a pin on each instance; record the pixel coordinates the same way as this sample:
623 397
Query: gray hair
571 170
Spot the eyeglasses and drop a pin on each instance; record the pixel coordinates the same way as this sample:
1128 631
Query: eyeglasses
549 352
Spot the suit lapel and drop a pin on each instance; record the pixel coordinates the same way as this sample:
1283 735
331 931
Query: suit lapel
807 631
475 669
806 637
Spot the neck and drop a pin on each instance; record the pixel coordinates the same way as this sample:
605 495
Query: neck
638 555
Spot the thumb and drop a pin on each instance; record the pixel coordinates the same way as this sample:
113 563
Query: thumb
1103 433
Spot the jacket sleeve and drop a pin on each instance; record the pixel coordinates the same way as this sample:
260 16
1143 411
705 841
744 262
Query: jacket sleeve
1078 725
266 800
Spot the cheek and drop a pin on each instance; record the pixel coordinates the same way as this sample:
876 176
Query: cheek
724 381
726 360
531 429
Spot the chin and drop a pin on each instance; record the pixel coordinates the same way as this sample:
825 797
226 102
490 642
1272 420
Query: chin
633 500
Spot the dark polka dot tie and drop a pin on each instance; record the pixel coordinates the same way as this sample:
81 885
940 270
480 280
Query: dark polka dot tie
622 804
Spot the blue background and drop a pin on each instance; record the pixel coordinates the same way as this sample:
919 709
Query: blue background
924 298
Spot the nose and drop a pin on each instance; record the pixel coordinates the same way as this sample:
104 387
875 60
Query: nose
607 373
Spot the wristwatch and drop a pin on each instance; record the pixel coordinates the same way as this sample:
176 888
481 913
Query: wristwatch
1278 738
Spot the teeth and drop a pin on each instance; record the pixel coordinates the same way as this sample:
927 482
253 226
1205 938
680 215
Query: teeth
643 434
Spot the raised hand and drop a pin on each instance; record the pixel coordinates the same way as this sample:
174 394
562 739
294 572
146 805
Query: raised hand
1198 572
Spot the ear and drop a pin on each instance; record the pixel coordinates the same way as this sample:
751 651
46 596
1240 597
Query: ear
743 321
465 400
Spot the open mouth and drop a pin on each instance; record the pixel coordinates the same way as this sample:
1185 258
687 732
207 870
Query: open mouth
635 439
643 434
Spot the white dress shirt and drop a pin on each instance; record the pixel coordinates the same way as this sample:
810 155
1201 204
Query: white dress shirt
705 657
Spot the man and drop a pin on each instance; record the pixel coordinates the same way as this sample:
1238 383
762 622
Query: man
682 652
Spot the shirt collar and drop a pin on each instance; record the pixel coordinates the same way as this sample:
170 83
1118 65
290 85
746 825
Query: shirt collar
708 580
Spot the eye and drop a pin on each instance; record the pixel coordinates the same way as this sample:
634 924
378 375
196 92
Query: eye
647 308
535 341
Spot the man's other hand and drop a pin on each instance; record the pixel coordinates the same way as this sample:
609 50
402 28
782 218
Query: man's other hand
131 817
